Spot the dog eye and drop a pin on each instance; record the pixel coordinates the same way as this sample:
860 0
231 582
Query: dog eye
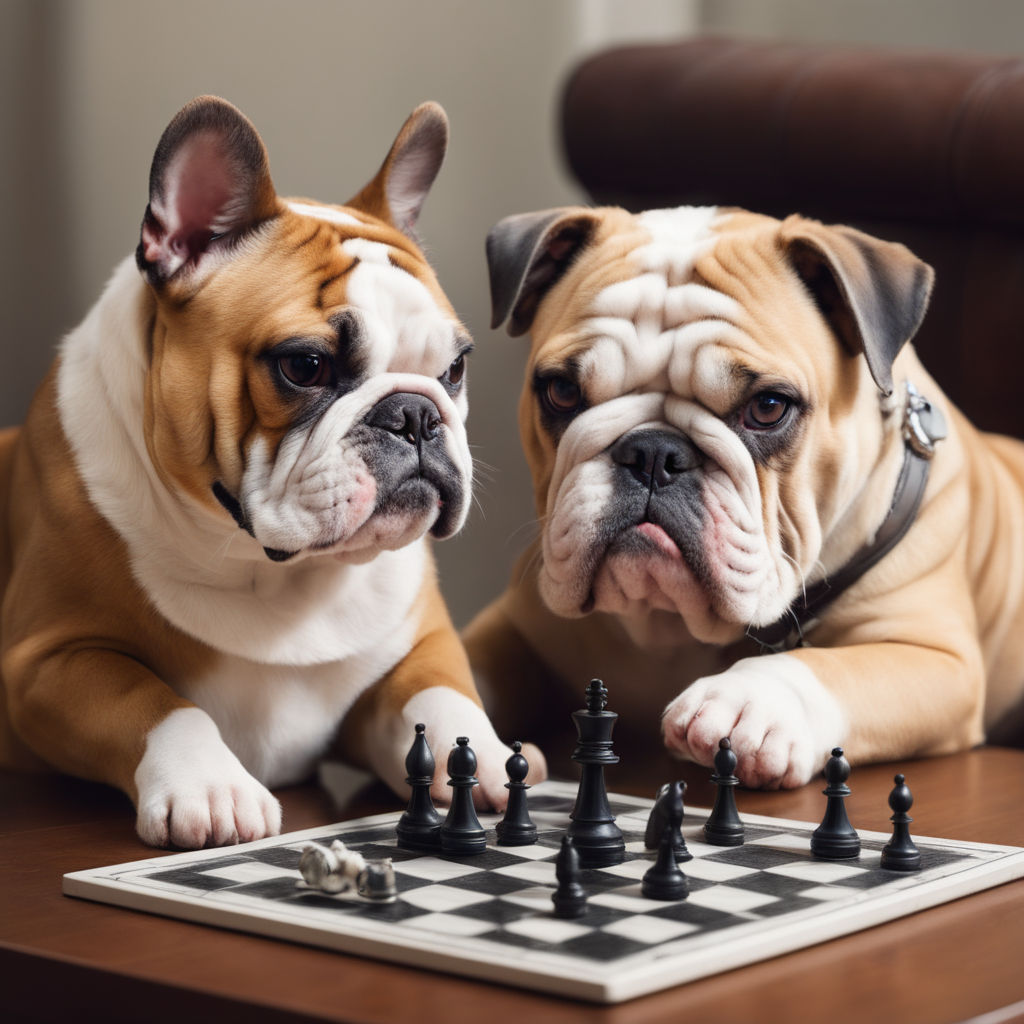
305 369
765 411
562 394
456 372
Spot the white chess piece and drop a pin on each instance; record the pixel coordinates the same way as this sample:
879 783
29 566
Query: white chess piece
332 869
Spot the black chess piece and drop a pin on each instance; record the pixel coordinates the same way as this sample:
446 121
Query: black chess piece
724 827
419 828
835 838
461 831
595 835
668 808
663 880
516 828
569 898
900 853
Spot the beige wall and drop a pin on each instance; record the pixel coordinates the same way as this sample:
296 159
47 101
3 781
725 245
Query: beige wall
87 86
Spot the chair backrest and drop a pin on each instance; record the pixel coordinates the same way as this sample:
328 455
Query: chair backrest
917 147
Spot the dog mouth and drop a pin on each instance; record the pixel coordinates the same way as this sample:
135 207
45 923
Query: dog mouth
407 509
671 570
371 474
633 560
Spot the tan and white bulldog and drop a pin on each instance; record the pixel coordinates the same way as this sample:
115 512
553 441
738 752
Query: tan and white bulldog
730 439
215 548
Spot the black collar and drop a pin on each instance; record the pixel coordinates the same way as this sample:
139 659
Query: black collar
923 426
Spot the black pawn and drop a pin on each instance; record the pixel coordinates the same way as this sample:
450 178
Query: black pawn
597 838
419 828
835 838
461 831
516 828
663 880
569 898
900 853
723 827
668 810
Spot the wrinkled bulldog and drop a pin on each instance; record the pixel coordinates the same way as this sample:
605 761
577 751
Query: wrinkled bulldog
760 518
216 518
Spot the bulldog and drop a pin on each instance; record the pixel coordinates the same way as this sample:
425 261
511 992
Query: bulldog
759 516
216 517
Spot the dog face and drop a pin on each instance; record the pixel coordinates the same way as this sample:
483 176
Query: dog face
701 405
307 374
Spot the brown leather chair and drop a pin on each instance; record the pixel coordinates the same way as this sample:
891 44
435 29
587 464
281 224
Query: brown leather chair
921 148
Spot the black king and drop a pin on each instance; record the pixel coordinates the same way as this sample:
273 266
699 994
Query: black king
596 836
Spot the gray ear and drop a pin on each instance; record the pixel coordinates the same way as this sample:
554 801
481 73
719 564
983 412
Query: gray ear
874 294
527 254
397 192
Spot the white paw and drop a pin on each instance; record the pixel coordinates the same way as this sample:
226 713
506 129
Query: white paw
780 719
193 791
447 716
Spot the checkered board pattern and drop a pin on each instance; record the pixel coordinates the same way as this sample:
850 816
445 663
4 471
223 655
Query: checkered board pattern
489 916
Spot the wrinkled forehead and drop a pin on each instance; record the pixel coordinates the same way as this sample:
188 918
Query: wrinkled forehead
383 285
662 324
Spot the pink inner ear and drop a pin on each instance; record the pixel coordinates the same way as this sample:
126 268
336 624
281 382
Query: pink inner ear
203 195
560 246
206 184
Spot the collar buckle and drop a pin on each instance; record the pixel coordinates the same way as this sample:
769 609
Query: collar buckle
923 424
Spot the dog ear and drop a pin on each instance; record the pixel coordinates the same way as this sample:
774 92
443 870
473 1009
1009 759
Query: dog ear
873 293
208 185
527 254
397 191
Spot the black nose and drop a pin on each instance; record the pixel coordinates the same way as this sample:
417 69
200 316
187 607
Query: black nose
414 417
656 458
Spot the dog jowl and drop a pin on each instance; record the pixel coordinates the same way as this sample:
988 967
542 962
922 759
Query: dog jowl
734 448
220 504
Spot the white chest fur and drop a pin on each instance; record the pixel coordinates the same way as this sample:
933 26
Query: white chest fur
280 719
296 642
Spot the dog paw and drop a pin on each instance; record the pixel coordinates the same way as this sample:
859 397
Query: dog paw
193 791
447 716
491 794
781 721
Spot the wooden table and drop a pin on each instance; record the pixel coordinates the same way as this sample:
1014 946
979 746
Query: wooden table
63 959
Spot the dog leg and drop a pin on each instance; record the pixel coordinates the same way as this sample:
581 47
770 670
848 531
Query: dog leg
433 684
880 702
781 720
104 716
194 792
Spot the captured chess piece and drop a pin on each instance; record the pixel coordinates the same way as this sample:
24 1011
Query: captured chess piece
569 898
724 827
377 881
516 828
461 831
668 808
835 838
663 880
597 838
900 853
419 828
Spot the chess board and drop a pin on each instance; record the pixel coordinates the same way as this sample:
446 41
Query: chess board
489 916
